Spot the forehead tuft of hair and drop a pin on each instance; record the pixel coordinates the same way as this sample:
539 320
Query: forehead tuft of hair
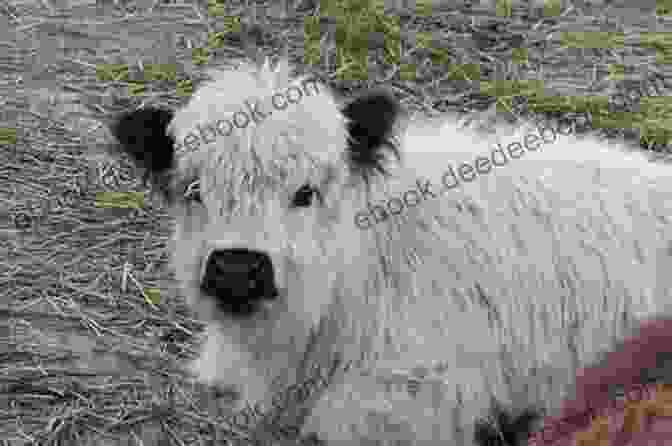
310 131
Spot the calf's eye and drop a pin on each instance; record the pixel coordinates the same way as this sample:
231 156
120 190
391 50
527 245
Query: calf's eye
193 192
304 196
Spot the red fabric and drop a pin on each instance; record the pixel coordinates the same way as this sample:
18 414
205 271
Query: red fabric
648 409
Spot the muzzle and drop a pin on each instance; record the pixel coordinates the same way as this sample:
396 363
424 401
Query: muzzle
239 280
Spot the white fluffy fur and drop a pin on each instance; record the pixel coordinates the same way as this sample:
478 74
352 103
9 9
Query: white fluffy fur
564 243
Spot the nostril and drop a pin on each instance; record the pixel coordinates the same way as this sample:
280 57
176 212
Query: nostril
239 279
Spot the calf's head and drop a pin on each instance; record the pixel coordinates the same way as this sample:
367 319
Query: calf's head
264 173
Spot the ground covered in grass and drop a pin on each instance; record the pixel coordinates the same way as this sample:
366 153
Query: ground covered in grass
92 332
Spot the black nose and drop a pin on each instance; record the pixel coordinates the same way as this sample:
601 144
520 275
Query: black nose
239 279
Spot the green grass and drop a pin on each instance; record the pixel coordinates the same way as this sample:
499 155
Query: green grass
123 200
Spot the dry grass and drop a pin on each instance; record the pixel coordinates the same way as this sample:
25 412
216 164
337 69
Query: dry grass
88 353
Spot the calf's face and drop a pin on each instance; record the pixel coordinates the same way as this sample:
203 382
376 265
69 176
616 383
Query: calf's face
264 204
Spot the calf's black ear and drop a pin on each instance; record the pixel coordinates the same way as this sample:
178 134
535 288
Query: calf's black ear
142 134
371 120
